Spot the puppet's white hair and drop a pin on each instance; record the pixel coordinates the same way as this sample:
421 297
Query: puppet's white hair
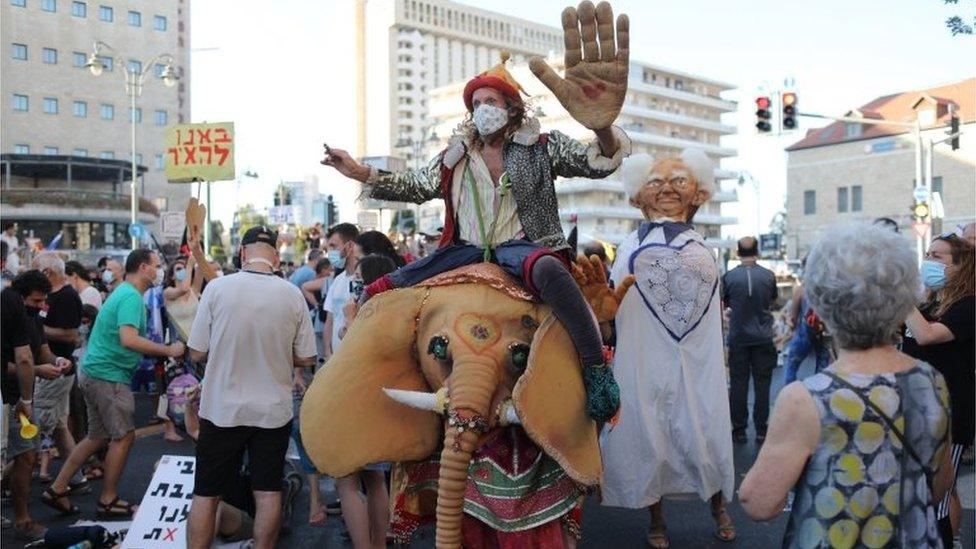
636 169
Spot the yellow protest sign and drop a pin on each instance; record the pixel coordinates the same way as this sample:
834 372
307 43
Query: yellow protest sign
200 152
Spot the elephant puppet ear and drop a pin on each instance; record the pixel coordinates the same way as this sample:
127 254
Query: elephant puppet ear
551 403
346 419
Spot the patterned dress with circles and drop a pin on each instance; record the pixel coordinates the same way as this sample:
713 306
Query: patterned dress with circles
861 488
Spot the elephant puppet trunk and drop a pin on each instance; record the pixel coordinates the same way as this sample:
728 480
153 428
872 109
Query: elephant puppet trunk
472 385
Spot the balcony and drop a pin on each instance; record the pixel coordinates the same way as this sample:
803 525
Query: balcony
671 118
714 102
653 139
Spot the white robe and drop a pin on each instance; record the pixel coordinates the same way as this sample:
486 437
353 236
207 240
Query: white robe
674 436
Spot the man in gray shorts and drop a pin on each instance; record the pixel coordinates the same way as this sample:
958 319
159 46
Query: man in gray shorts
116 345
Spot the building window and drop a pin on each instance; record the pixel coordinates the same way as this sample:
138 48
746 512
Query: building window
19 3
856 198
50 150
49 5
135 19
809 202
18 51
107 155
50 105
135 115
20 102
108 62
49 56
106 13
81 109
21 149
161 203
159 161
852 129
139 158
937 185
842 195
159 23
80 152
79 9
79 59
108 112
135 67
158 70
161 118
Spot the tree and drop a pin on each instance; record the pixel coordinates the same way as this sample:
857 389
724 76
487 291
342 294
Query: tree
956 24
245 217
217 251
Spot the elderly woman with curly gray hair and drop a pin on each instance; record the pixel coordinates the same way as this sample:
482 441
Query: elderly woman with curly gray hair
863 443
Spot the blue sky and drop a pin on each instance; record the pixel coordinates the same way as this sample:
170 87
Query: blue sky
282 71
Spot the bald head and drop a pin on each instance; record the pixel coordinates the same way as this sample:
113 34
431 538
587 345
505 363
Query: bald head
748 247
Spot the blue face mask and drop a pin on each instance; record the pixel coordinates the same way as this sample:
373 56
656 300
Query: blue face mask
336 259
180 275
933 274
108 276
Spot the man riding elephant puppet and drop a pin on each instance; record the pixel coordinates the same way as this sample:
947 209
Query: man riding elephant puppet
491 330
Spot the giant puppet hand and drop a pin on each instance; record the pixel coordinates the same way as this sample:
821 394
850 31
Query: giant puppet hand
596 75
592 280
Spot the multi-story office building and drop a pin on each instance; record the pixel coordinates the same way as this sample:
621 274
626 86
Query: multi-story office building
850 171
65 135
664 112
406 48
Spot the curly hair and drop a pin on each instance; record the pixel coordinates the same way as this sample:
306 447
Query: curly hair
862 280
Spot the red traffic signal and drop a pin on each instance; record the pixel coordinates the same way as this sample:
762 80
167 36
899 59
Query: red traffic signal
762 114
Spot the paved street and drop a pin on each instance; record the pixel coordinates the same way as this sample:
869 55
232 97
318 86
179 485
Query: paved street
689 522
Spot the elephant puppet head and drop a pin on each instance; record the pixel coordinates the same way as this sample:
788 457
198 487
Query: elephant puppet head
449 360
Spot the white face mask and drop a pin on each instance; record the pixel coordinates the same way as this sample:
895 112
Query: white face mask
489 119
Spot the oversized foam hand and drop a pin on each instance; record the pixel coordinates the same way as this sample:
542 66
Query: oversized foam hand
196 216
592 280
596 67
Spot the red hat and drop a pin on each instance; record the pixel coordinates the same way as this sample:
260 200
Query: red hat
496 77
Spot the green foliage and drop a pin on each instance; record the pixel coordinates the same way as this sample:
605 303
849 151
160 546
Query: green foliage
956 24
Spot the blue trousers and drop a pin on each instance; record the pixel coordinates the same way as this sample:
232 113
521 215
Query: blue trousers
801 346
510 256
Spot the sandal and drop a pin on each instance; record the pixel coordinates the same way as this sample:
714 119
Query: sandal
114 509
53 500
95 472
657 538
724 532
77 488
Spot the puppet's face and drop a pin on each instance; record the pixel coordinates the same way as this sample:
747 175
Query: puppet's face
670 192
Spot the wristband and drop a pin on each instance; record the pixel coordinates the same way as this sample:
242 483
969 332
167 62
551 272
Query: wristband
27 401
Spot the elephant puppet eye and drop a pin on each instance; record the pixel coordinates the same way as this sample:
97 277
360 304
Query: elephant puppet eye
520 356
438 347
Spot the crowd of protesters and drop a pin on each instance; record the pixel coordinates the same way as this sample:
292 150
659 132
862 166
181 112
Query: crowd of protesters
75 339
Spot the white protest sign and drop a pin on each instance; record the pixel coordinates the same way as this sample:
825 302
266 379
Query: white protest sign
161 518
172 224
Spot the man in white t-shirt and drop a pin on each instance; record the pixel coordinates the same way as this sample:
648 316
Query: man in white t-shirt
342 254
253 329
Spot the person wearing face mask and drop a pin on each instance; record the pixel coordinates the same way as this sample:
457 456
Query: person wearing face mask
941 332
111 274
497 175
115 347
341 243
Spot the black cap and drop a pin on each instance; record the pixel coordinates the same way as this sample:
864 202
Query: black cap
260 234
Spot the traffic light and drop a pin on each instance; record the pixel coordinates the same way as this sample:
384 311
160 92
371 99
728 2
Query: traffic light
953 128
789 111
920 211
332 212
763 115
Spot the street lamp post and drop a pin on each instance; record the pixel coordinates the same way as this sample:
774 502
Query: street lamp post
134 80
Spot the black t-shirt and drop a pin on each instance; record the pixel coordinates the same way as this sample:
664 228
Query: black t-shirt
956 361
13 319
750 291
64 310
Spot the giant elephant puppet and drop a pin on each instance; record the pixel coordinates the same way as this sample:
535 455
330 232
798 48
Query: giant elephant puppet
444 364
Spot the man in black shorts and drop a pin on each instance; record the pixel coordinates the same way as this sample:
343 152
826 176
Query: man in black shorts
252 328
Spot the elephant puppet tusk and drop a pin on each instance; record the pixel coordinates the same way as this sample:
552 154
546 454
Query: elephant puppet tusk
432 402
507 415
